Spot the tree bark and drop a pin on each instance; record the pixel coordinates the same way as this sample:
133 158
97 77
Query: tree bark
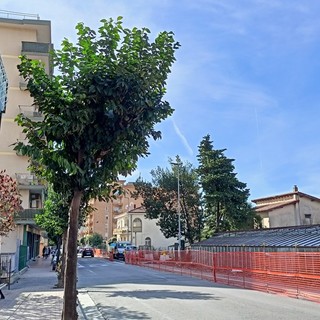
69 311
60 283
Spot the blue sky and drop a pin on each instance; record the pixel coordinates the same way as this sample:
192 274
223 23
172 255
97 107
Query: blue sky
247 73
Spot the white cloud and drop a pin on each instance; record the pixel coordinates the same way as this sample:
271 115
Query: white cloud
182 137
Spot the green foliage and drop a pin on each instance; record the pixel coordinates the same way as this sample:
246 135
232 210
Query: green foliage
54 219
160 199
95 240
101 108
99 112
225 197
83 241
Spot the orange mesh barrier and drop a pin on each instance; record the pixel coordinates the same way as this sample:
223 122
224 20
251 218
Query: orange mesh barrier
294 274
102 253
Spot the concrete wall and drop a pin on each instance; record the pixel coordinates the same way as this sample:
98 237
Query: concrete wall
282 217
308 207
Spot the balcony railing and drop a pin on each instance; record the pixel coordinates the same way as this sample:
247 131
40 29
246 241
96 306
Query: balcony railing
23 85
18 15
120 230
27 216
31 112
25 142
29 181
36 47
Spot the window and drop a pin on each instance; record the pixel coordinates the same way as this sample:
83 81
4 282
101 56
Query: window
137 225
147 242
35 200
307 219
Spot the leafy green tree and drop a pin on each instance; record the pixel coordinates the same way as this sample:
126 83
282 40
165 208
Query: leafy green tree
225 197
160 199
99 112
83 241
95 239
54 220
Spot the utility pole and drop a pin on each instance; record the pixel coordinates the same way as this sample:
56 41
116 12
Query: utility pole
178 207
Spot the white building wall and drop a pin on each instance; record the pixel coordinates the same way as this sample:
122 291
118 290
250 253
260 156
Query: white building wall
308 207
8 243
282 217
152 231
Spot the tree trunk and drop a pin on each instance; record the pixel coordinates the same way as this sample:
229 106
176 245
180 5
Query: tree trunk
61 272
69 311
218 218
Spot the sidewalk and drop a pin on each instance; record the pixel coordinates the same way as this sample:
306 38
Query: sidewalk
33 296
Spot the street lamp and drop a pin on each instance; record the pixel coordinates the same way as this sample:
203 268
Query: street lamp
179 213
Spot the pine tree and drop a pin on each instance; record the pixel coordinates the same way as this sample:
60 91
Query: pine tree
225 197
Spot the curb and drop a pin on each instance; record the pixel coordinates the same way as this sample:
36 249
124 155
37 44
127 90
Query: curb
87 306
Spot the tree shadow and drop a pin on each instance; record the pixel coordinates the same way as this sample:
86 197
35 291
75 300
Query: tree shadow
40 305
157 294
127 313
114 313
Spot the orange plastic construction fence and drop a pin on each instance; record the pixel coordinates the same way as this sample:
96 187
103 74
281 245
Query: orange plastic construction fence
294 274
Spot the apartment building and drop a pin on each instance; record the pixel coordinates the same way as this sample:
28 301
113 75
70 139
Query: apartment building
123 218
30 36
103 219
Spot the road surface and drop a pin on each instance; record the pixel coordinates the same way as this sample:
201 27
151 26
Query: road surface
121 291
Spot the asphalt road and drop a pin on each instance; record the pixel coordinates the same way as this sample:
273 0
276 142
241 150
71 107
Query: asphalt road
123 291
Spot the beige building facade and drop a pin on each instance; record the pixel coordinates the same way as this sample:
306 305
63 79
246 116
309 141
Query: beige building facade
290 209
103 219
31 37
123 219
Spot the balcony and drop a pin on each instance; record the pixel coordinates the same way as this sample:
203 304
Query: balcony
29 181
31 112
24 142
27 216
36 48
23 85
123 230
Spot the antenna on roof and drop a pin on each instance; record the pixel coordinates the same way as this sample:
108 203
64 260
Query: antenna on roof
12 14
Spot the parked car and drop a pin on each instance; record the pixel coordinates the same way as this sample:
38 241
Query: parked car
131 247
87 252
120 248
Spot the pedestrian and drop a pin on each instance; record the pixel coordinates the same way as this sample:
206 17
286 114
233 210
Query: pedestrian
44 251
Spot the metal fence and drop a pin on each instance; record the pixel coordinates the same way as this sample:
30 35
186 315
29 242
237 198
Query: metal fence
294 274
5 269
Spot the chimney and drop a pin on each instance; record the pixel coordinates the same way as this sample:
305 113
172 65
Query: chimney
295 188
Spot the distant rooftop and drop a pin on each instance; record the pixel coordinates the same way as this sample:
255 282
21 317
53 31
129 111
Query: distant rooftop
18 15
302 236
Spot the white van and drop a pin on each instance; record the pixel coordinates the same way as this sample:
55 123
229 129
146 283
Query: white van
120 247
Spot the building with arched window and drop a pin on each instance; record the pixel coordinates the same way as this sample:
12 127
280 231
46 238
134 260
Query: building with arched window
142 232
